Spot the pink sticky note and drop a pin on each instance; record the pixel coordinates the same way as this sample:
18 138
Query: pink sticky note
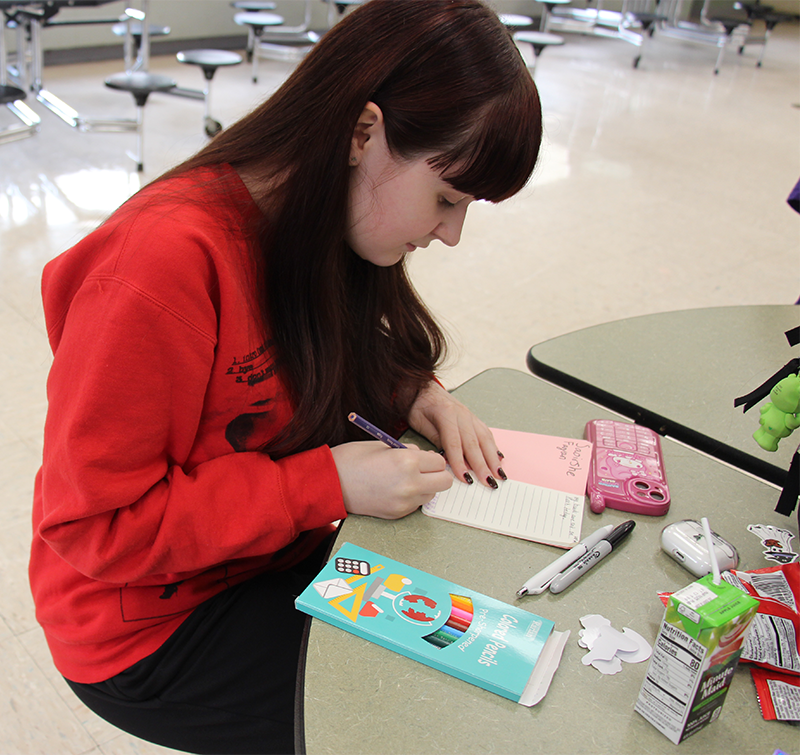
545 460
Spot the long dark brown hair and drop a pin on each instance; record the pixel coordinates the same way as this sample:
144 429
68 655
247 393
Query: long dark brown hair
349 335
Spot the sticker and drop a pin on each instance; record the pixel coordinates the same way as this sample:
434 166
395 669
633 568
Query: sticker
777 542
695 596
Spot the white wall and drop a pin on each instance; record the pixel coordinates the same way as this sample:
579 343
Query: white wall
197 19
187 19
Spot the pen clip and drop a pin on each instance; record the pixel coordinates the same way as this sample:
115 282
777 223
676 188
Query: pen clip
544 586
539 588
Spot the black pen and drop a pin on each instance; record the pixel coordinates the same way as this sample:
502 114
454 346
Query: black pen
594 556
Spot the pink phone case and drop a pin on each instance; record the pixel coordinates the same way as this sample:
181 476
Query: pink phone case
627 470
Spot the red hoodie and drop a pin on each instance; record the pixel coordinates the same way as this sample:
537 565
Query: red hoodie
151 497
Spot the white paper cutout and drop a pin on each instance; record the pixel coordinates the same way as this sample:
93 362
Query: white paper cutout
642 652
608 647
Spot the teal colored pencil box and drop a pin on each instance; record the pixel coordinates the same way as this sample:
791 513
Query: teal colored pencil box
494 645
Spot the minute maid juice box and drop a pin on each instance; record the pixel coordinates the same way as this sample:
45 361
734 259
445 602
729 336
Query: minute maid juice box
695 656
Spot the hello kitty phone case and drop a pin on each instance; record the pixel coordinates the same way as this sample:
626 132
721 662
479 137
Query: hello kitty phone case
627 469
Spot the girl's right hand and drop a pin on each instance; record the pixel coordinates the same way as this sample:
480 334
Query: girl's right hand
388 483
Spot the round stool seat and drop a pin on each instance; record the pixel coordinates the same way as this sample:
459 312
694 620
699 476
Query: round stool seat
140 84
539 39
514 19
209 60
10 94
547 12
252 6
136 29
258 20
756 9
648 18
773 19
730 24
648 23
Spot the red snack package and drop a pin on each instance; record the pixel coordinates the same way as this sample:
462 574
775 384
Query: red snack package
773 641
778 694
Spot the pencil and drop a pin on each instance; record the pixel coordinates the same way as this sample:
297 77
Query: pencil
462 602
456 623
451 631
439 640
461 614
375 432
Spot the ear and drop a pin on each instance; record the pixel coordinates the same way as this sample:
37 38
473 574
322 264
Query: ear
370 122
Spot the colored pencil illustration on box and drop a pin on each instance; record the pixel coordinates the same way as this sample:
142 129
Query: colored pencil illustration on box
371 599
502 648
457 624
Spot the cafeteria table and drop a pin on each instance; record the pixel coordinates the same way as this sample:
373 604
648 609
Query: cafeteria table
678 373
356 697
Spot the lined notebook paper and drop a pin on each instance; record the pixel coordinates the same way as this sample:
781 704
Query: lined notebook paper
518 509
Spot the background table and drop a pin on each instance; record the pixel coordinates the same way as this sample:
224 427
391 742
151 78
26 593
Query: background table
679 373
361 698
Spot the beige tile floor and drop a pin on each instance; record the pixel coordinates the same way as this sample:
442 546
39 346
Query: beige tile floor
660 188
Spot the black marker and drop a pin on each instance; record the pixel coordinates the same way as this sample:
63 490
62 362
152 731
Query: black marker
594 556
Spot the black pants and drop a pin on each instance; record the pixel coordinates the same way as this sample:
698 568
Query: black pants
224 682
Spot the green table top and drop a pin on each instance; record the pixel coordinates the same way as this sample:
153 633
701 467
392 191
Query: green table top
361 698
679 373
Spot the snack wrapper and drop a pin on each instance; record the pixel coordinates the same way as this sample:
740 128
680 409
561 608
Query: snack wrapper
774 638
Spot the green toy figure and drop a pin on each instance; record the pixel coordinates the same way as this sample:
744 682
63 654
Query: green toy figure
779 418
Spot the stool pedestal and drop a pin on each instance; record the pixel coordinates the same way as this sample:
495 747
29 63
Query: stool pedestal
253 7
137 54
732 27
256 23
538 40
209 61
12 98
141 85
648 22
547 11
339 7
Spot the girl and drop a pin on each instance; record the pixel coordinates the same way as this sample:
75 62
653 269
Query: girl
211 338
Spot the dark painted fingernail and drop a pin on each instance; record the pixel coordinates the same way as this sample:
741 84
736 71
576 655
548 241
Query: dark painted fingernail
500 454
492 482
468 478
502 473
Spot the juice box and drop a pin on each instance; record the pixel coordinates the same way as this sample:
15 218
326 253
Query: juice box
695 656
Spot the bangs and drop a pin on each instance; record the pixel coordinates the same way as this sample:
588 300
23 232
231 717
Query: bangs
497 156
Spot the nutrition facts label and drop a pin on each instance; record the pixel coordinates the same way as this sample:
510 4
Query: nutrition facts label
772 640
786 699
671 679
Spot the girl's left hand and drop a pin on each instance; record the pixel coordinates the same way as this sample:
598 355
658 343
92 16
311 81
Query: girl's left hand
467 442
